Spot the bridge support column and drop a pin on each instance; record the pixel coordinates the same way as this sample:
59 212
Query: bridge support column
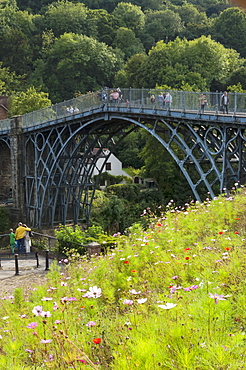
17 164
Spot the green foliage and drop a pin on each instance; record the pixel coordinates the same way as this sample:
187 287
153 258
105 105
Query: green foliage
65 16
110 179
183 61
18 298
4 220
170 297
9 81
131 15
77 63
162 25
229 28
73 240
236 88
168 176
28 101
126 41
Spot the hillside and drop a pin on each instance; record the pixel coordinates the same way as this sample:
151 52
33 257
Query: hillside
169 297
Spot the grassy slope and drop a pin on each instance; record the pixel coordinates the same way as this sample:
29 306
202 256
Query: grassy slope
172 297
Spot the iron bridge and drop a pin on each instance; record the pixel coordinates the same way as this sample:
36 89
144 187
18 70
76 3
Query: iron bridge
53 157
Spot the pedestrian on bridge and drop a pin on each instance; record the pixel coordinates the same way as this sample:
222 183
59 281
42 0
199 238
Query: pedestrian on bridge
225 102
203 102
20 236
168 101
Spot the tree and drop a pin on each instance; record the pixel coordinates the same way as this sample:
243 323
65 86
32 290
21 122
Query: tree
131 76
160 166
28 101
9 81
229 28
76 63
238 76
196 22
106 25
128 149
65 16
131 15
162 25
126 41
201 62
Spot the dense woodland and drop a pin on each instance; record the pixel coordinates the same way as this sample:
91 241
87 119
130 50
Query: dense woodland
53 51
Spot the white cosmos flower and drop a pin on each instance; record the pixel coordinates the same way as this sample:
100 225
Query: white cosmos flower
141 300
167 306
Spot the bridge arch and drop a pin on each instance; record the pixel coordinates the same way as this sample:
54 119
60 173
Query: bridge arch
59 181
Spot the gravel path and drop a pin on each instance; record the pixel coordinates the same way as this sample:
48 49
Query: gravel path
26 280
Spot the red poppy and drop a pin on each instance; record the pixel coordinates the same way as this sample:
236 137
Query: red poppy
96 340
236 232
237 218
170 286
134 270
187 249
126 262
159 224
220 232
187 258
227 248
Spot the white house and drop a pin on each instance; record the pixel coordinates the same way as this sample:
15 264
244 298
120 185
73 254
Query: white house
113 165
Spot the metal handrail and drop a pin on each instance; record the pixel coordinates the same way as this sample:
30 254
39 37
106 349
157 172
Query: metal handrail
131 98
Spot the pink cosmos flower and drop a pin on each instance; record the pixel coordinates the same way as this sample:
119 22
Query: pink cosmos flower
192 287
91 324
37 310
46 341
133 291
217 297
32 325
45 314
128 301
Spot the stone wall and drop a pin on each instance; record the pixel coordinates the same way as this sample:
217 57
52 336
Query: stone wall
5 172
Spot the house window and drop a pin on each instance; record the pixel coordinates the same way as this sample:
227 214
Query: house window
108 166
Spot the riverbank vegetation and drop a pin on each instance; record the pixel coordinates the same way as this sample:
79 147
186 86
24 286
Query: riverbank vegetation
170 296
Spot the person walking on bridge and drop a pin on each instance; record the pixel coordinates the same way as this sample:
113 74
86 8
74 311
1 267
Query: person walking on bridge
168 101
20 236
225 102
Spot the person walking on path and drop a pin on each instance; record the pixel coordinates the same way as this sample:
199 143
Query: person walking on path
20 236
27 240
12 240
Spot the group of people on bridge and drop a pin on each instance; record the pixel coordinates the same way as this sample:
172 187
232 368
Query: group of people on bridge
20 239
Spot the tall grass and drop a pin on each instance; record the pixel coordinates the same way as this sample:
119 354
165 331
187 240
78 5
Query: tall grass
170 297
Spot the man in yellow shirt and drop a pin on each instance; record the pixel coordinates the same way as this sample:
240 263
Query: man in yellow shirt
20 236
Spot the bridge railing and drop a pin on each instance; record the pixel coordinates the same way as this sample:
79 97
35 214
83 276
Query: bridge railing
59 111
5 124
138 98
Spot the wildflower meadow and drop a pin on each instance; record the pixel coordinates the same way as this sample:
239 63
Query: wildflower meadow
168 297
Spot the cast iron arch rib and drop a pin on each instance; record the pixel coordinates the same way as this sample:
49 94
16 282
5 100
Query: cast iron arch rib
61 183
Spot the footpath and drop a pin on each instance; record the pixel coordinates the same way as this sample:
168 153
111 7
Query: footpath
25 266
